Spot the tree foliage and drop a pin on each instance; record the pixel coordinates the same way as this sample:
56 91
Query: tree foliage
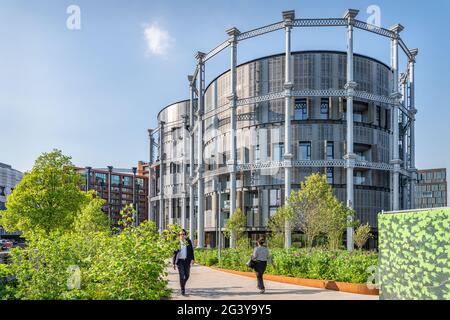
316 211
236 226
277 226
361 235
46 198
92 218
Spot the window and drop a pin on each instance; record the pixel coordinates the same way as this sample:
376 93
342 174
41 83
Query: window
330 175
140 182
301 109
275 197
127 181
360 156
305 151
324 109
2 191
278 151
357 116
359 178
330 150
378 116
100 178
115 180
257 155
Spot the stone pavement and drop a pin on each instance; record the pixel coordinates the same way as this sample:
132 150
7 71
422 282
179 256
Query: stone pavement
208 284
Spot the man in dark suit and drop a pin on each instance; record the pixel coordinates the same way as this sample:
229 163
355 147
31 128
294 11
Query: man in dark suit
183 258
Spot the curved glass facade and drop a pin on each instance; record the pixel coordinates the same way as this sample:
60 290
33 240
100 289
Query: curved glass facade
318 137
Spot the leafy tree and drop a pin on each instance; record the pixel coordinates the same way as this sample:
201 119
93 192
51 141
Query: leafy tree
236 226
92 218
336 222
277 226
361 234
316 211
309 206
48 198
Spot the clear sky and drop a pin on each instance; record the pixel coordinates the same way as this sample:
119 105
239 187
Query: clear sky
94 92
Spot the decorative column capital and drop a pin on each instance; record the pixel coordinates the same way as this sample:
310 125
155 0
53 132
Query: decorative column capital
396 29
350 15
232 97
288 18
413 53
233 33
110 169
396 96
350 160
350 87
200 56
288 86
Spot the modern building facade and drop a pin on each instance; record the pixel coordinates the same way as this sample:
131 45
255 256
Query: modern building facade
431 188
256 131
119 188
9 178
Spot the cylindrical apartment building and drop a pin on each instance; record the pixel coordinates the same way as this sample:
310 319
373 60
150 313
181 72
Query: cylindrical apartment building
288 113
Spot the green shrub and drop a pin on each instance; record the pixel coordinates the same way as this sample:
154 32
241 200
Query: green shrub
95 265
301 263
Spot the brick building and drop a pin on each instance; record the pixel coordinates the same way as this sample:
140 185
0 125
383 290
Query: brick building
118 187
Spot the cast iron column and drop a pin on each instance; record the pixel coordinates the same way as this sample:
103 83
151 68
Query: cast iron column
200 169
191 159
233 33
350 87
413 112
288 17
183 175
151 211
161 177
395 160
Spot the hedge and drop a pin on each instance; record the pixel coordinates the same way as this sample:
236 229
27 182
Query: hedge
415 255
300 263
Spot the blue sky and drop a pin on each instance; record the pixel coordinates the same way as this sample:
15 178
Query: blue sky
94 92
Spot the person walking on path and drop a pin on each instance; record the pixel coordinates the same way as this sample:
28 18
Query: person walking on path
183 258
260 256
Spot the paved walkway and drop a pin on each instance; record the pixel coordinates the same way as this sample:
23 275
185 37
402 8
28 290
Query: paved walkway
208 284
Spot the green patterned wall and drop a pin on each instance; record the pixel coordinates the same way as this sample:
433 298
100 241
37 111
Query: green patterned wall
414 259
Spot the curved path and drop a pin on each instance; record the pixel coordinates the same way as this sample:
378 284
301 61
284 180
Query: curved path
206 284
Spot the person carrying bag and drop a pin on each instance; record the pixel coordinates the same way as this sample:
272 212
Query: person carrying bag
258 262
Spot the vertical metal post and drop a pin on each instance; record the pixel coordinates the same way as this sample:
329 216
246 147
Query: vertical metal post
191 159
413 112
88 178
151 211
233 33
200 169
395 160
219 240
135 203
183 175
110 169
288 17
161 177
350 156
